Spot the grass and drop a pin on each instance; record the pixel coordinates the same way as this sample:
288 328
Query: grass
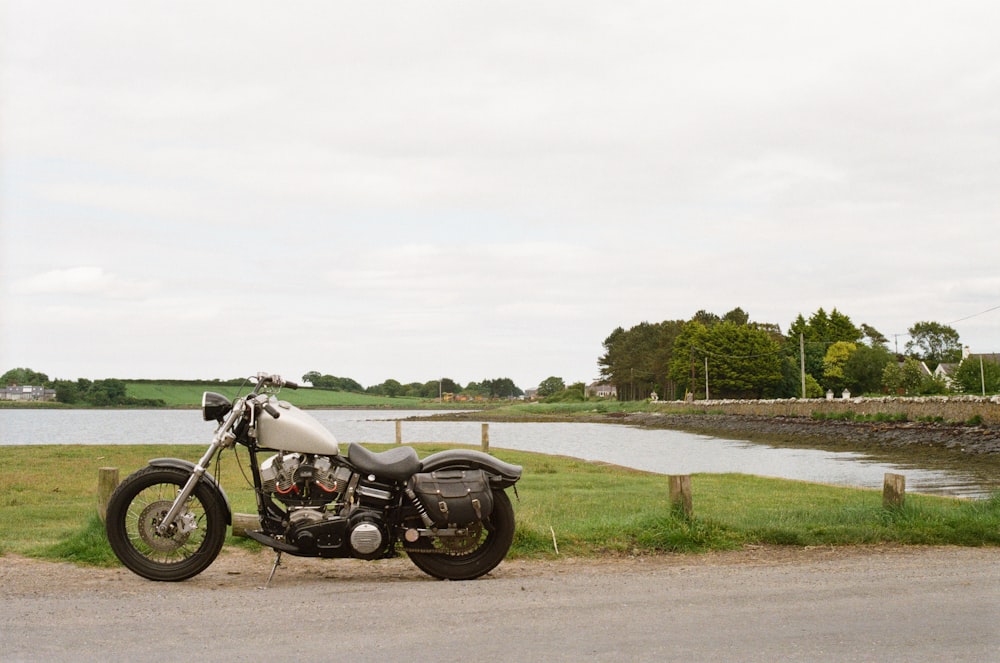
48 504
189 395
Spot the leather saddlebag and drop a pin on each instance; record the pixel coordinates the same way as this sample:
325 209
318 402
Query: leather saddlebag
456 497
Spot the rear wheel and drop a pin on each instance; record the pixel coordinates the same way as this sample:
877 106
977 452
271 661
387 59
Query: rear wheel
138 506
465 558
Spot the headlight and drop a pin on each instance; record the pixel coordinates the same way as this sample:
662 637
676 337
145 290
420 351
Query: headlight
214 407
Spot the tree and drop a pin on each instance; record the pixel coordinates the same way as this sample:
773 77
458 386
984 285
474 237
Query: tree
574 393
67 391
705 318
332 382
24 377
737 316
686 367
903 379
500 388
550 385
934 343
743 362
833 364
106 392
976 374
392 388
874 336
818 333
842 329
639 360
864 368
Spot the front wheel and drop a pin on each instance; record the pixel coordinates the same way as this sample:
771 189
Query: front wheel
473 556
138 506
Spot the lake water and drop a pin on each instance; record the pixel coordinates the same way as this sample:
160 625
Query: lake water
662 451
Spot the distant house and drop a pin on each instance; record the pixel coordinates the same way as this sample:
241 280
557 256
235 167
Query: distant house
947 371
602 390
27 393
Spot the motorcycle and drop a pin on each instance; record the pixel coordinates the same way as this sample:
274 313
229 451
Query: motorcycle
449 512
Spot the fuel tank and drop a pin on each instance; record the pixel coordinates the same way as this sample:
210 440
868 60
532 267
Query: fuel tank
294 430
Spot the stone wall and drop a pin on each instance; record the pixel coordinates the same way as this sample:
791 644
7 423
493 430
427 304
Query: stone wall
952 409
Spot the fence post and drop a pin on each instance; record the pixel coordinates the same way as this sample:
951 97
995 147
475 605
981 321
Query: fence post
245 522
486 438
107 481
680 494
399 431
893 490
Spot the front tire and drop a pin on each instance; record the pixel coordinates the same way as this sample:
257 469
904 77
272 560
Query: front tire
138 505
495 538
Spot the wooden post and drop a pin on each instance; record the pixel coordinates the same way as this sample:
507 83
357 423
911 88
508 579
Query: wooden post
399 431
486 438
893 490
243 522
107 481
680 494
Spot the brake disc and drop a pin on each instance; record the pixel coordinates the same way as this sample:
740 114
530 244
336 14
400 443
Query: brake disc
176 536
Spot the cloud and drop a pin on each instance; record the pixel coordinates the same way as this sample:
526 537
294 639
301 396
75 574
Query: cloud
482 188
87 281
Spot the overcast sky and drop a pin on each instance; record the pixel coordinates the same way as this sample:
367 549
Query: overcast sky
474 190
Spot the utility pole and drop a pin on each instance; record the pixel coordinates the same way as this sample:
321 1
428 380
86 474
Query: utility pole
802 362
706 377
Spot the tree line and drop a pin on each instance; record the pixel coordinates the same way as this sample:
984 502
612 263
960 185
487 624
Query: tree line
730 356
496 388
98 393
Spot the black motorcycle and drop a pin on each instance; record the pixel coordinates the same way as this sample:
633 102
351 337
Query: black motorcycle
449 512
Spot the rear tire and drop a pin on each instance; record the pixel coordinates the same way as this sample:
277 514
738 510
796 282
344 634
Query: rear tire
496 536
139 504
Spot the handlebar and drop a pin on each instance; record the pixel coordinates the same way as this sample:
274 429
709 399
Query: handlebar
274 380
271 410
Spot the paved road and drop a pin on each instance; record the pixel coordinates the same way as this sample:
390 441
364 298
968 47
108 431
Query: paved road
926 604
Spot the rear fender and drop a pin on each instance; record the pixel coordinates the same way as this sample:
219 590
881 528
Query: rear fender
188 466
502 475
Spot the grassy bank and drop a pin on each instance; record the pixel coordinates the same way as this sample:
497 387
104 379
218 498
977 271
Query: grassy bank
189 395
47 506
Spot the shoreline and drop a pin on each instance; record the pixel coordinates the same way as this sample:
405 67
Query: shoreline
792 431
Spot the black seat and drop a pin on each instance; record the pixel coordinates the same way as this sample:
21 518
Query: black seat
398 463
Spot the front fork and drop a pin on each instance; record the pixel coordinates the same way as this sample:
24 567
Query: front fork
223 437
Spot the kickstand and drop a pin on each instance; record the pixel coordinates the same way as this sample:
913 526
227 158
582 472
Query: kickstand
277 563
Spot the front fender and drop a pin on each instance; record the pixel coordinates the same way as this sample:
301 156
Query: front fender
188 466
502 475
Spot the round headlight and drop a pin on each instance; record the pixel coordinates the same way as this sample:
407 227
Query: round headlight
214 407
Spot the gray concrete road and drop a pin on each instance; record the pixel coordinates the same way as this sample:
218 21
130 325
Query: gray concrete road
768 604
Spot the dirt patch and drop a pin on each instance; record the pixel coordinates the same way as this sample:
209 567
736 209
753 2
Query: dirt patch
235 567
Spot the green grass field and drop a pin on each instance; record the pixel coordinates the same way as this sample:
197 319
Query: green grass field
189 395
48 506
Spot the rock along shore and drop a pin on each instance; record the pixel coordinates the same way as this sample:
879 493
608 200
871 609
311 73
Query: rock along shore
981 439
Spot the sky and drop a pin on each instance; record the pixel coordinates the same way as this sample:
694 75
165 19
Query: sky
416 190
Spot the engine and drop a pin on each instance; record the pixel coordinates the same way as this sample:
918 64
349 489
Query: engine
304 480
322 520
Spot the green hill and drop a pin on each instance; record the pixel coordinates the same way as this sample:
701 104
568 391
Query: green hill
188 394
